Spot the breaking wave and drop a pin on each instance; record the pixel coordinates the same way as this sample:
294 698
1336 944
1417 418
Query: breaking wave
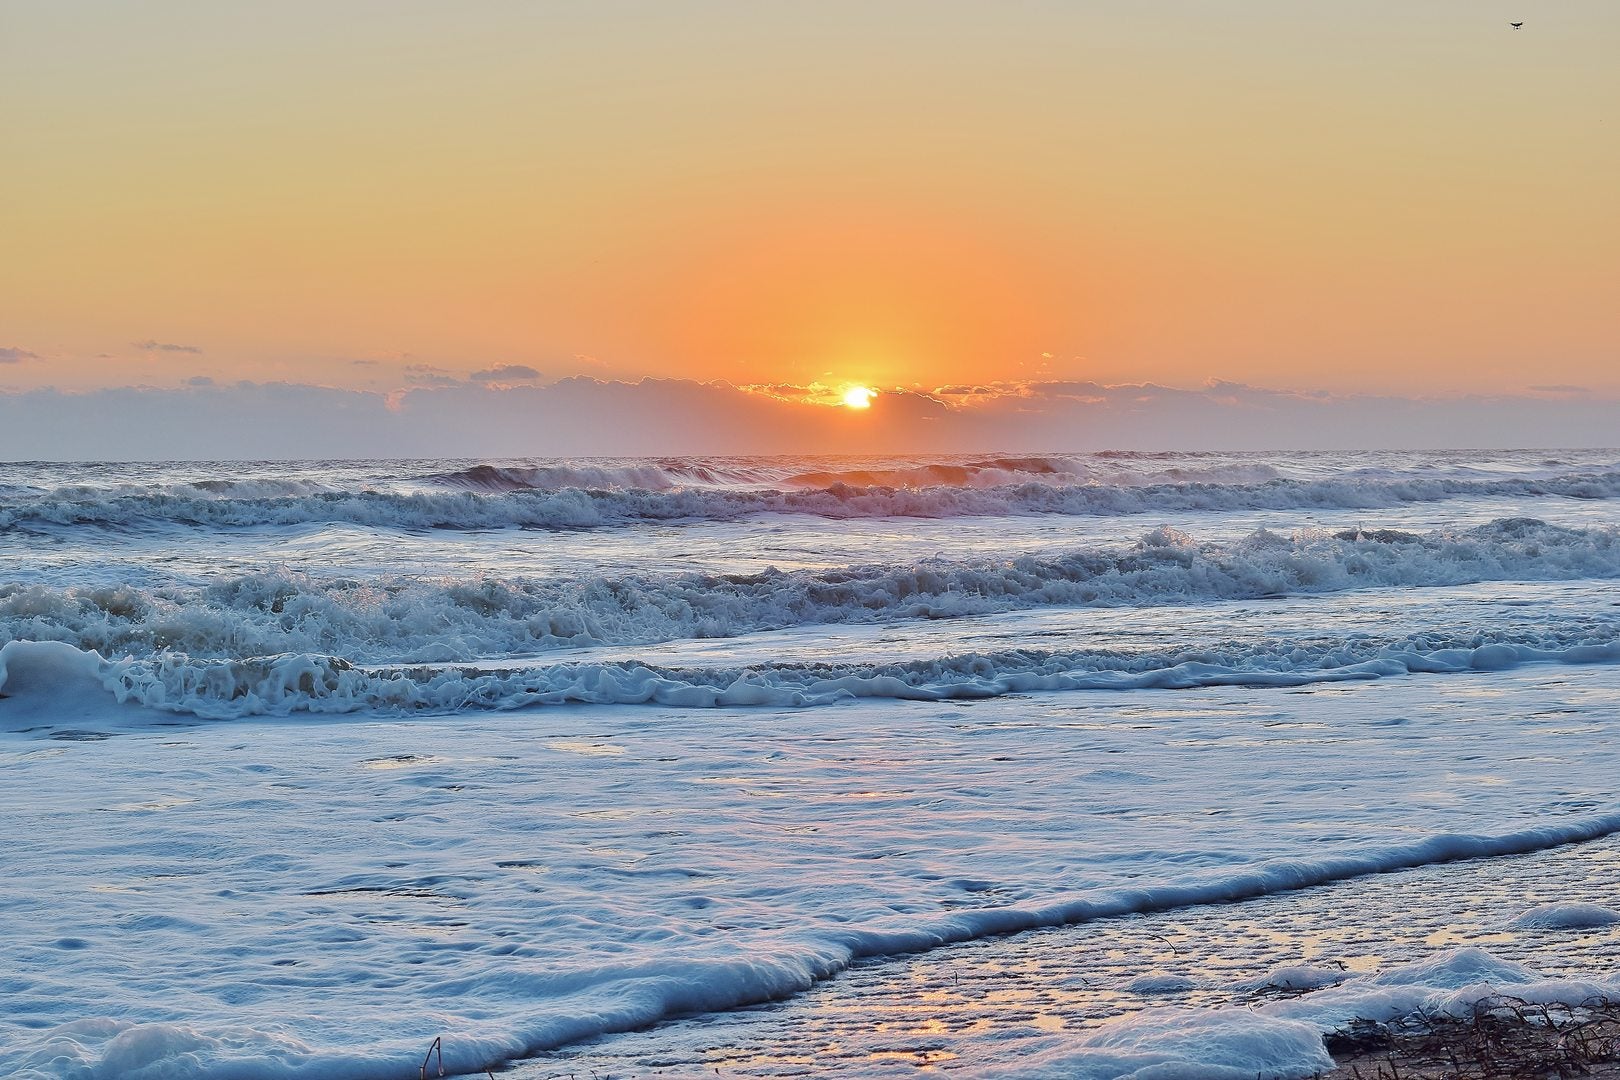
628 995
663 475
404 619
489 497
280 642
305 683
790 474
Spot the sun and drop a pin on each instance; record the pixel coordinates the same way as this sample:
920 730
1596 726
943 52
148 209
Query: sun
859 397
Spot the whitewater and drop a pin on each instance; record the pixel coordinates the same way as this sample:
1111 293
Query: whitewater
309 764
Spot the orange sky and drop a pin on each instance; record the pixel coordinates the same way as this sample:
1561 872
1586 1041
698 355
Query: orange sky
1397 197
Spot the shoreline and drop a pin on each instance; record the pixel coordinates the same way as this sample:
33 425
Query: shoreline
985 1003
730 848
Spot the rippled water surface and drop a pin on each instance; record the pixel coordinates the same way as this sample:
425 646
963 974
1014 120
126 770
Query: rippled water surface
311 763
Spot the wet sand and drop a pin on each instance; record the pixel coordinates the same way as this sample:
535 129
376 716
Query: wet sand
966 1007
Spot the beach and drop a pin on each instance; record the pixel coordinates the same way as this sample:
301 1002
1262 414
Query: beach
986 1003
1005 766
1034 541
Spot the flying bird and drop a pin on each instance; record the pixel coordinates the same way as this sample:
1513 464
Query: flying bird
1516 25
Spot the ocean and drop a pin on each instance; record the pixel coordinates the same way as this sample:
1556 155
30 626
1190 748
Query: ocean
307 765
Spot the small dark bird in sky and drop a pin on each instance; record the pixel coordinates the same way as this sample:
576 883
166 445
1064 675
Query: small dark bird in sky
1516 25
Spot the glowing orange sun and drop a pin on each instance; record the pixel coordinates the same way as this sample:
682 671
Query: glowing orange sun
859 397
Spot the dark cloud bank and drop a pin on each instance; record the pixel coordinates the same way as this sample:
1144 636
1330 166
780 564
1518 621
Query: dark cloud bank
582 416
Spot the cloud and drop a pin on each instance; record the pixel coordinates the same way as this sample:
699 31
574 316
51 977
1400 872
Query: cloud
164 346
814 393
505 373
10 354
1559 388
199 380
582 416
431 378
417 375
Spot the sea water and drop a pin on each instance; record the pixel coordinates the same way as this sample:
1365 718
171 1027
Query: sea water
309 764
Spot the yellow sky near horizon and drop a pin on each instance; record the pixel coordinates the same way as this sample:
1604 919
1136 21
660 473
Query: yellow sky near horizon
1392 198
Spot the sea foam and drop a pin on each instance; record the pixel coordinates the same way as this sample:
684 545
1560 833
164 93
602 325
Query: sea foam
486 497
49 674
446 619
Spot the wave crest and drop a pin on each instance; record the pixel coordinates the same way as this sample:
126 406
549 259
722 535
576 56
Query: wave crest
496 498
448 619
292 683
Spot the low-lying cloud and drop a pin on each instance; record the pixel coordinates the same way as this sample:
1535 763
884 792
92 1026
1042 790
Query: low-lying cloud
583 416
165 346
506 373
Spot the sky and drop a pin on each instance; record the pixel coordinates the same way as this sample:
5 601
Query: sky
767 203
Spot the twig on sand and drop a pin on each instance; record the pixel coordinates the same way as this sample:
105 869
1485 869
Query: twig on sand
437 1047
1500 1038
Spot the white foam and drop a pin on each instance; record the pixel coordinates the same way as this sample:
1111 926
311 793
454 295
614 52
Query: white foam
291 683
189 898
93 1049
1177 1044
490 498
47 683
1301 977
1451 983
1566 916
445 619
1283 1040
516 892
